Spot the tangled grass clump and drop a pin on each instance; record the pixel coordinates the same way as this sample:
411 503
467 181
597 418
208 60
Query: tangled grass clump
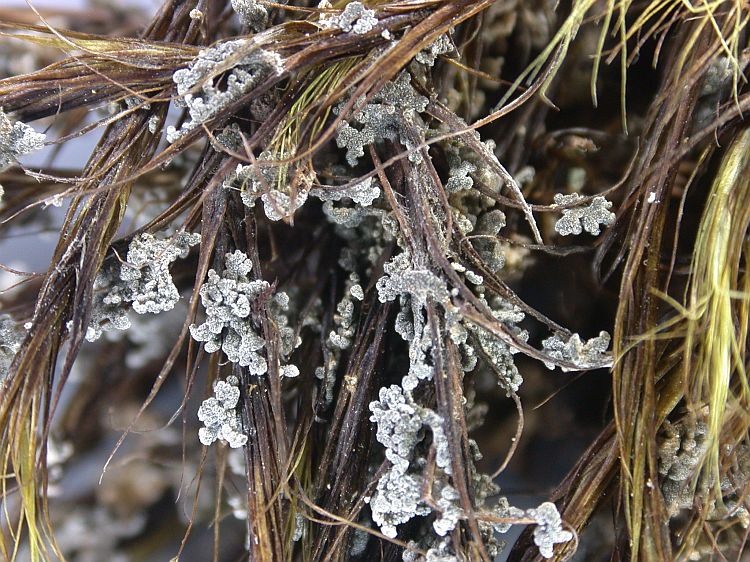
344 230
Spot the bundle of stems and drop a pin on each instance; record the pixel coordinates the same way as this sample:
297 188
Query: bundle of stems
337 210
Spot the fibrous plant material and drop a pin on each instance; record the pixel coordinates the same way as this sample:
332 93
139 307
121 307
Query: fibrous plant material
340 241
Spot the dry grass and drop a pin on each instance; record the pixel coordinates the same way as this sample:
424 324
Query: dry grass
681 326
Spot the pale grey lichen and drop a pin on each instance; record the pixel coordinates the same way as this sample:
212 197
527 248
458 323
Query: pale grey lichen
401 421
219 415
279 205
153 123
413 287
434 421
252 13
458 175
229 138
548 531
681 451
440 555
253 66
401 278
362 193
440 46
399 428
143 283
260 181
299 527
355 18
228 300
588 354
450 512
106 313
289 371
380 119
500 355
399 425
503 510
351 217
354 140
146 281
497 352
397 499
473 277
485 231
278 308
588 218
11 336
340 338
438 551
16 139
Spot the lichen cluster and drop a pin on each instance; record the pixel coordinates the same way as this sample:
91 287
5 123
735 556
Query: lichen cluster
144 282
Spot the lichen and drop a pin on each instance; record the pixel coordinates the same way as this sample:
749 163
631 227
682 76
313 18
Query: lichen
402 279
355 18
260 181
17 139
440 46
11 336
584 354
228 300
450 512
362 193
458 177
143 283
147 283
384 117
253 65
681 451
106 314
548 531
397 499
219 415
485 231
252 13
340 338
398 423
588 218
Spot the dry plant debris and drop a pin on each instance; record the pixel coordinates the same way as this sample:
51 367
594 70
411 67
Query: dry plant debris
338 242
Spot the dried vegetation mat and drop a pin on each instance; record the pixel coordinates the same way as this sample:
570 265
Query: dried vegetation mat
275 275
